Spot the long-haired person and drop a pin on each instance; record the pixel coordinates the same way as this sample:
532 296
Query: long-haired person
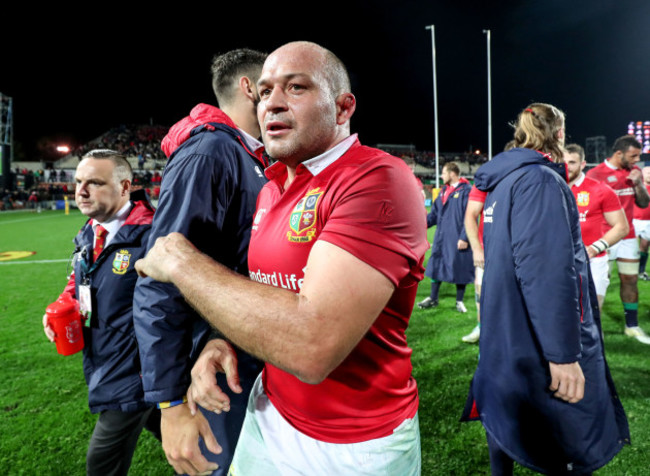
542 387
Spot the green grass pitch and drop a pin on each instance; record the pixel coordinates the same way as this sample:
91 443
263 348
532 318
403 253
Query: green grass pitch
45 423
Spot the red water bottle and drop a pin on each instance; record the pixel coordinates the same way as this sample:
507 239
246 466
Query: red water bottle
64 319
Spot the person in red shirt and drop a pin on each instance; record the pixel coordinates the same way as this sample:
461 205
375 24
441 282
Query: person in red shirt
602 219
336 255
474 231
641 223
624 177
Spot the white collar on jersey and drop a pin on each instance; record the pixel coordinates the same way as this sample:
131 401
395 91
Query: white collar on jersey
327 158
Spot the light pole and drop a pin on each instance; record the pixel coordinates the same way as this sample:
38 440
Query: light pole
435 97
489 83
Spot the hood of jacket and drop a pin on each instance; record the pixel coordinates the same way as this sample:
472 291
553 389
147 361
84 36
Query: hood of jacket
202 116
490 174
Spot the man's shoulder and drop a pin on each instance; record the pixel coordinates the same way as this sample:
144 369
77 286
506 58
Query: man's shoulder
600 170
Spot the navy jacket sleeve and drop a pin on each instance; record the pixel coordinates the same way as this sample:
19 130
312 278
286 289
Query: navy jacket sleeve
465 199
432 217
195 194
544 259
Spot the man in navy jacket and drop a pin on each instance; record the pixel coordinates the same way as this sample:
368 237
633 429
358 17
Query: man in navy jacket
539 317
208 193
111 360
451 258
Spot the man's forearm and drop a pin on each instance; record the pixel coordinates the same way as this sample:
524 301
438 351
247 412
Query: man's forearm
262 320
641 197
307 334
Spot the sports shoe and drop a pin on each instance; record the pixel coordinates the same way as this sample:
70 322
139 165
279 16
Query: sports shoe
473 336
460 307
644 277
638 334
427 303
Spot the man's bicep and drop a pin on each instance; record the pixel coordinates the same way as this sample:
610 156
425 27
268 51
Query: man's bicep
345 291
616 217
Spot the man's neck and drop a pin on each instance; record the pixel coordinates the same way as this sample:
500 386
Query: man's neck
577 179
614 163
243 119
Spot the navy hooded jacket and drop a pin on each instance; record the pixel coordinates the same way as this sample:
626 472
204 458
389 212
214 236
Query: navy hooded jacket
447 263
208 193
110 355
538 305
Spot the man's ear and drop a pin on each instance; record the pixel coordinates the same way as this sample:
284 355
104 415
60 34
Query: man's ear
346 104
126 187
247 87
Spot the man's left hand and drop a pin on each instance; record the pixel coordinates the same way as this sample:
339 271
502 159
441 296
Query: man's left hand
635 176
462 244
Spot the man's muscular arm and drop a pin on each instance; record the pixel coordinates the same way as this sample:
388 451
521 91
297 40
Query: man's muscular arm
641 197
307 334
619 229
472 213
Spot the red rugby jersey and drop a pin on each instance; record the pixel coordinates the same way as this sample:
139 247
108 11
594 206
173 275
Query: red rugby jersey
622 186
366 202
594 199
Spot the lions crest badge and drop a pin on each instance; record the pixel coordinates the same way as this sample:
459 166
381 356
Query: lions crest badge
121 261
302 220
583 199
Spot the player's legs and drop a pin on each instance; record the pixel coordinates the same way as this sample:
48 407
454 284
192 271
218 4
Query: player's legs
642 229
500 463
627 261
432 299
113 442
460 296
474 336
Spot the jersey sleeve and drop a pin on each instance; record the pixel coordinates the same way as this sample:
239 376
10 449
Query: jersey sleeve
194 197
379 220
610 200
477 195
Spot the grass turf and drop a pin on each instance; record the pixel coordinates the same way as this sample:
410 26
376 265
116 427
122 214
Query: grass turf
45 424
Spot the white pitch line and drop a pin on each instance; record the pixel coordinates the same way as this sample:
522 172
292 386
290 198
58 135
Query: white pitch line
42 261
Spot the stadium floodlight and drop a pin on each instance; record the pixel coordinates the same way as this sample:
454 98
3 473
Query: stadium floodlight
64 149
435 98
489 92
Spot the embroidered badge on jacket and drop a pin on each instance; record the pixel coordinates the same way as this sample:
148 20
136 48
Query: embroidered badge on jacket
121 261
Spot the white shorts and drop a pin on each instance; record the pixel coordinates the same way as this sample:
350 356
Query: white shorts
268 445
627 248
642 228
600 274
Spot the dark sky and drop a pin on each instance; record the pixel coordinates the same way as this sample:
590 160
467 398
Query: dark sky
73 79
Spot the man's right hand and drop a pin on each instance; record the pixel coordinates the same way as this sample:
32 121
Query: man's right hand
180 440
217 356
49 332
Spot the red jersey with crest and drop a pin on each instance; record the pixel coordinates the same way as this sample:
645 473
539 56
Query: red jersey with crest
622 186
594 199
367 203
